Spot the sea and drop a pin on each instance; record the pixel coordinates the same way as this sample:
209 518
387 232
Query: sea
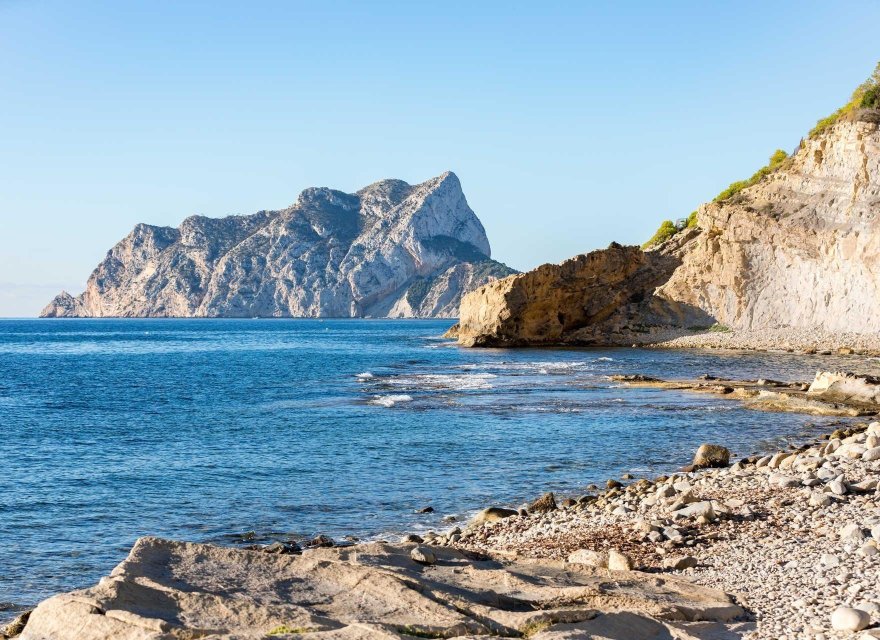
241 431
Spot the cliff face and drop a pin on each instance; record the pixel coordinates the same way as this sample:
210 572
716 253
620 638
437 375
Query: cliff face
800 248
391 249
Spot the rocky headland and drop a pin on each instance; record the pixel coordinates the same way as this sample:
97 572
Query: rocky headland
389 250
790 256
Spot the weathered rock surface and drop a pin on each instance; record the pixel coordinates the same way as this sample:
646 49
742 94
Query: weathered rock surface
601 297
169 590
391 249
800 250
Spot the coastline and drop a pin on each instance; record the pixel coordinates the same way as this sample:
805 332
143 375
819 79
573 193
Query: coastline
788 339
814 509
776 532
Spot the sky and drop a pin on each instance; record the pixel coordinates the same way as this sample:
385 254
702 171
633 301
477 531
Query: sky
569 124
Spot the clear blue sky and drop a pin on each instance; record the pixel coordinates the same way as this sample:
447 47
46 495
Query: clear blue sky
570 124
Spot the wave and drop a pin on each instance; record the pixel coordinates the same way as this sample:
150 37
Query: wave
366 375
451 382
390 400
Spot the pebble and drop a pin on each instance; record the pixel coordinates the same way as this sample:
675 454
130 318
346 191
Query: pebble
849 619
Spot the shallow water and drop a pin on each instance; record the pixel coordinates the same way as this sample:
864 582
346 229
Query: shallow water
207 429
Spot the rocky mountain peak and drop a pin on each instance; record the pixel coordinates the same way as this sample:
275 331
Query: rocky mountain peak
390 249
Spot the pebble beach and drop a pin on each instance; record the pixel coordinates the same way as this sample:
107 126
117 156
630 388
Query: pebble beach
794 537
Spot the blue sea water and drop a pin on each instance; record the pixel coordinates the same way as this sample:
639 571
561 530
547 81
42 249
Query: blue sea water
208 429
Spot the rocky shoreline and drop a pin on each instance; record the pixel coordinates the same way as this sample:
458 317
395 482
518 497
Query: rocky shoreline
782 546
793 536
790 339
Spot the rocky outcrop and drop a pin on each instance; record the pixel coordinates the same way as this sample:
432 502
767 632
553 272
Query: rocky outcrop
799 249
170 590
391 249
600 297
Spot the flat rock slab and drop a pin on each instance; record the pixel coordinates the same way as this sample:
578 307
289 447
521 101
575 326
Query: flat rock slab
168 590
840 396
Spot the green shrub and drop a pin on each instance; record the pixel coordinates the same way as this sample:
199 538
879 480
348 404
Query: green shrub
691 220
667 230
866 96
779 156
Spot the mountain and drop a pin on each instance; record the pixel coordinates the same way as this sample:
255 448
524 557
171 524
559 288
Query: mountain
391 249
797 246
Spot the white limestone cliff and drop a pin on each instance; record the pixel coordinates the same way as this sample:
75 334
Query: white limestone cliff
391 249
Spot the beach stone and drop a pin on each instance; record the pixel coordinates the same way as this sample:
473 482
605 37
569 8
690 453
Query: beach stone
321 541
412 537
665 491
782 480
829 560
283 548
673 534
492 514
589 557
695 510
777 458
819 499
618 561
851 533
683 486
425 510
15 627
837 487
868 550
871 454
875 532
423 555
544 504
679 563
613 484
849 619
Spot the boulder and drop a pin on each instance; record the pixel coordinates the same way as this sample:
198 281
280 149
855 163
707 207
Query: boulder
619 561
423 555
679 563
492 514
544 504
711 455
840 386
590 558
